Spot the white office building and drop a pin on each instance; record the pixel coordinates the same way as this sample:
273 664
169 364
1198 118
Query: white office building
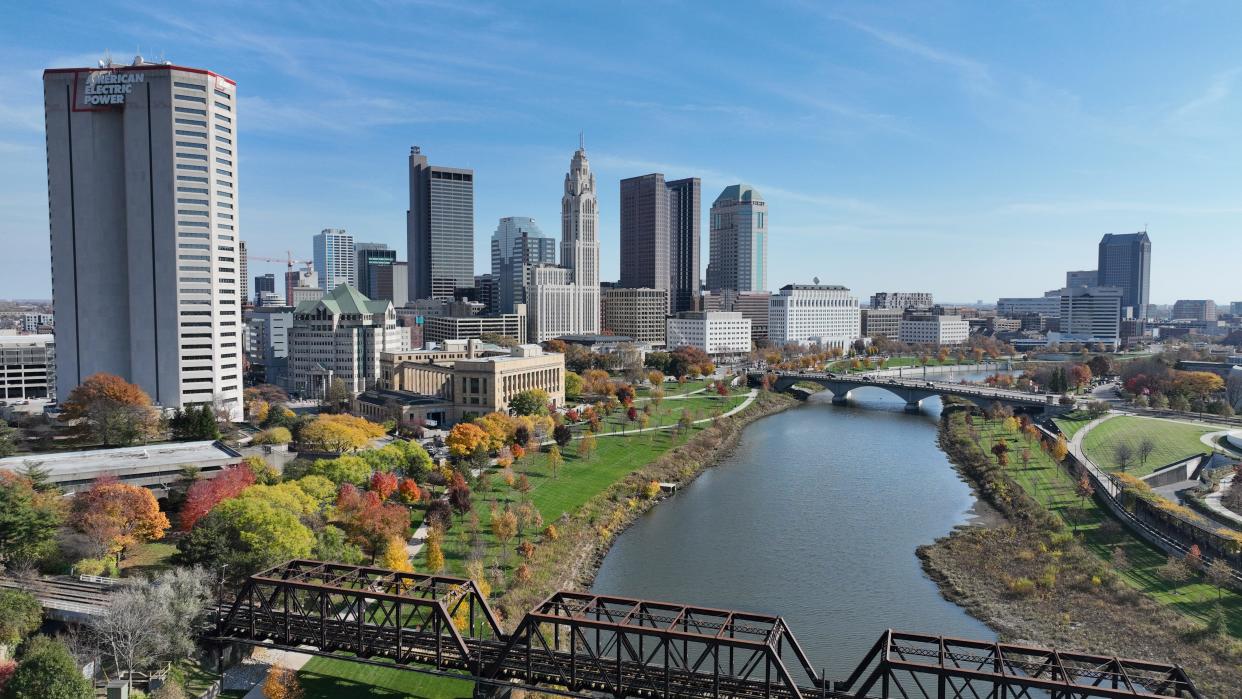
1048 305
1090 315
31 322
336 262
27 367
930 329
814 313
341 336
143 207
718 333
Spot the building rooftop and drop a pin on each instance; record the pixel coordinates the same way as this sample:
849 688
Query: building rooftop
346 300
26 340
740 192
151 457
813 287
594 339
383 396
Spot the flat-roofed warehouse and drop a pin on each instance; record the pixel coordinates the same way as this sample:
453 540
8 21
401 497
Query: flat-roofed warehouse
155 466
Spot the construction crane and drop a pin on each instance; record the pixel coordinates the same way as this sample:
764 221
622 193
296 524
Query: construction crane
288 259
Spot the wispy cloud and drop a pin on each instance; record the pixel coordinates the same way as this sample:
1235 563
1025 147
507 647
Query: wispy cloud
1096 206
973 73
1218 90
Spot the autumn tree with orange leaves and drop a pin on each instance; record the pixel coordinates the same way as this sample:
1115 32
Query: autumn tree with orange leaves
112 411
116 516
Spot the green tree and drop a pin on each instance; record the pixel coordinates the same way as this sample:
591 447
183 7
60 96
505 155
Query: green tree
337 395
331 544
418 463
20 615
247 534
46 670
533 401
343 469
28 520
8 435
195 422
573 386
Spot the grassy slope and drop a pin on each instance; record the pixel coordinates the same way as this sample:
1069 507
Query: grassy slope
1054 488
1173 440
577 482
1071 422
344 679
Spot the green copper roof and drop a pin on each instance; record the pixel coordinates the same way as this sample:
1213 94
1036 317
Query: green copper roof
740 192
344 299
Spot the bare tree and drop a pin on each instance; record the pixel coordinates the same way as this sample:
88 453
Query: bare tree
150 623
1145 449
125 631
1220 575
1123 455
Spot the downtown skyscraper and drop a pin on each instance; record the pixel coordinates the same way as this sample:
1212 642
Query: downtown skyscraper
144 218
439 228
335 260
738 240
660 233
1125 262
564 300
518 243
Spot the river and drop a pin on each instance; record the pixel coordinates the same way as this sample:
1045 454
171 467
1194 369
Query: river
815 517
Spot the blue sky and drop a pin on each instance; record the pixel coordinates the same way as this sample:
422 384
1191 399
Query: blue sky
972 149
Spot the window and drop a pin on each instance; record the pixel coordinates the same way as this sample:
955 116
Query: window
193 156
188 110
189 178
220 171
191 234
199 202
223 118
195 168
223 106
192 190
190 86
223 139
225 129
223 94
190 98
195 134
191 122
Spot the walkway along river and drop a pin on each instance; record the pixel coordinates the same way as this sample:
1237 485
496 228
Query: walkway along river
816 517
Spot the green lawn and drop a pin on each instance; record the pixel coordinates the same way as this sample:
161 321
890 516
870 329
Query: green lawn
1071 422
1173 441
1054 488
148 559
332 678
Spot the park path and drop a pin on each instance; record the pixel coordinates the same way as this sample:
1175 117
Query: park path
269 658
750 398
1212 500
1075 448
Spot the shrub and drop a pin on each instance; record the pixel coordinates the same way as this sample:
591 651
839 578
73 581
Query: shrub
273 435
96 566
1023 587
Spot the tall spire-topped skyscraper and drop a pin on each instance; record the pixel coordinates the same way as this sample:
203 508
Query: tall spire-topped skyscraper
580 236
564 300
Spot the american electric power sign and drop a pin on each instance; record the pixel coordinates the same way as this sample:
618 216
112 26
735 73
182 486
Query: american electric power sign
101 89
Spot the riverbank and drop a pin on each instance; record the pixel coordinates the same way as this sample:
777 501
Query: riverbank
584 537
1032 579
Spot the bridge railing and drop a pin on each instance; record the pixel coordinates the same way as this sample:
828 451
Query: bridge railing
575 643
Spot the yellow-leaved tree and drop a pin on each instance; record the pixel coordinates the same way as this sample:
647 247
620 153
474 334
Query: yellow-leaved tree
339 433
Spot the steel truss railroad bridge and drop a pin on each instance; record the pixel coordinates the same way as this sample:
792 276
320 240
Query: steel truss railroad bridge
581 644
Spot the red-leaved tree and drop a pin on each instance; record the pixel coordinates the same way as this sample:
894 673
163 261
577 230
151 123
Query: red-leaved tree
206 494
369 520
383 484
409 492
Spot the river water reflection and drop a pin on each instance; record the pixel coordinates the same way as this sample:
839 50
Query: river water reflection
815 517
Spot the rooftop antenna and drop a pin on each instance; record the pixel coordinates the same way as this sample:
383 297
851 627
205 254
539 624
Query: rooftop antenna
581 141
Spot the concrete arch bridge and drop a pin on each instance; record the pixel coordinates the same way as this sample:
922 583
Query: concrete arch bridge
915 391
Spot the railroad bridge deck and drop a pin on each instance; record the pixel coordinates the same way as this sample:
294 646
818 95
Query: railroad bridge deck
580 644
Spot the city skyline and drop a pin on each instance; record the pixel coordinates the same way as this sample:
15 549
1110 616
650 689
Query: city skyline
1065 195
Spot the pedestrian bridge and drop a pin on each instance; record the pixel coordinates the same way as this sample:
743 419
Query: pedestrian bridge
915 391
